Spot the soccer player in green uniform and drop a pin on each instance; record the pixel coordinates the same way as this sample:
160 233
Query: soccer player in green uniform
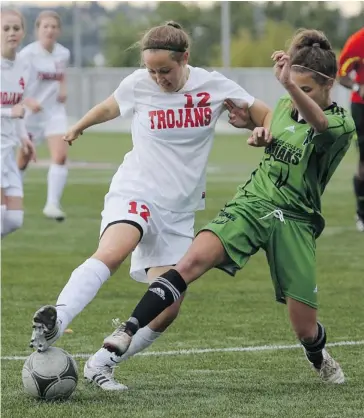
278 209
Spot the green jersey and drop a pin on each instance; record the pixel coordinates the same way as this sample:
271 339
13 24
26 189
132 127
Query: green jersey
299 162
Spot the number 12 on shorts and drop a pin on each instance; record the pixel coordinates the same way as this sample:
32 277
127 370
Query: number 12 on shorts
139 209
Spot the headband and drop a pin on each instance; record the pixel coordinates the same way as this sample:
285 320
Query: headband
166 48
314 71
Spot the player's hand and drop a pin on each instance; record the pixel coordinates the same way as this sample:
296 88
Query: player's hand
282 68
29 149
72 135
239 116
32 104
260 137
17 111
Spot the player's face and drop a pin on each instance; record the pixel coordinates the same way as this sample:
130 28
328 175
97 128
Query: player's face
319 93
48 30
12 32
166 72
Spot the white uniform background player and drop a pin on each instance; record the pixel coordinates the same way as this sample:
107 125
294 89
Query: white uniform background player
14 79
150 207
46 117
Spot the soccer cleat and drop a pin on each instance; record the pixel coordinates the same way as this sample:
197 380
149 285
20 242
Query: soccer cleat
359 223
102 377
118 342
54 212
45 328
330 370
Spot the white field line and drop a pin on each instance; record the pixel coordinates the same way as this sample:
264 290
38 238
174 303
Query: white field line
192 351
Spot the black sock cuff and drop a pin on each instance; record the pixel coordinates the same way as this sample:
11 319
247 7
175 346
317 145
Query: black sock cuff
173 281
319 342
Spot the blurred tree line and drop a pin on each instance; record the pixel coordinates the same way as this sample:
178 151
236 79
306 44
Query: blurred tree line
257 29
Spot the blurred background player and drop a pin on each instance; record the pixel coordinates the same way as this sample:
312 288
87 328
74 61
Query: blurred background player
46 117
352 60
14 78
278 209
150 208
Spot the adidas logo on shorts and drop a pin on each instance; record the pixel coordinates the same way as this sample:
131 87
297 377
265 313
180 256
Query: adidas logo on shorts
158 291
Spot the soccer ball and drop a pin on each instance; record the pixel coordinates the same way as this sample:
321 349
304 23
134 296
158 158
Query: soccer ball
51 375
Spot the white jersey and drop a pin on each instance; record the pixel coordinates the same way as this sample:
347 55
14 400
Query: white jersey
172 136
14 79
47 70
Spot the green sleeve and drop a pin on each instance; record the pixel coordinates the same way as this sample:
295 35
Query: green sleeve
338 134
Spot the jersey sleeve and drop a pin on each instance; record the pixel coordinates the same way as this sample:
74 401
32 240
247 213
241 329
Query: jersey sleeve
351 55
21 129
232 90
339 132
125 95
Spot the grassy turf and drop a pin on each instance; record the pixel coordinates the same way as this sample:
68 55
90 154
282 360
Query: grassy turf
219 311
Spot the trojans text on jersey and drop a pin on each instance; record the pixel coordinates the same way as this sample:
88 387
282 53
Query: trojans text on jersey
187 117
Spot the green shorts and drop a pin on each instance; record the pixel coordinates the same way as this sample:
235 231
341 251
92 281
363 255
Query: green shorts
245 225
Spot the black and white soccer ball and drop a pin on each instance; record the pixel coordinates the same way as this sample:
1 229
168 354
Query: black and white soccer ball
51 375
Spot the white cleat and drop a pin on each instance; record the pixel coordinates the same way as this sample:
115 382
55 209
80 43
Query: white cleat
102 377
118 342
54 212
330 370
359 224
45 328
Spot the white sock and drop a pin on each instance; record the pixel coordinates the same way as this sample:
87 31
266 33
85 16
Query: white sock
141 340
11 221
57 177
81 288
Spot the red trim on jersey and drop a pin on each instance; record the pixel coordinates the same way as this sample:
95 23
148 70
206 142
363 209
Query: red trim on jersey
352 59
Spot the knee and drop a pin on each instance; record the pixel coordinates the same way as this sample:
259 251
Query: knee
190 265
59 159
109 257
14 220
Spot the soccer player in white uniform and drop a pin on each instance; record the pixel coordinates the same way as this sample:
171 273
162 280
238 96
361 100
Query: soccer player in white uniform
14 77
46 117
150 207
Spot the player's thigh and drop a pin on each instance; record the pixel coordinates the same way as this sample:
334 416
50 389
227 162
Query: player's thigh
55 128
122 228
168 238
232 237
357 111
11 182
291 254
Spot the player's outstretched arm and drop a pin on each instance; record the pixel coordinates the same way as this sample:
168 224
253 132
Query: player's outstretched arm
310 111
103 112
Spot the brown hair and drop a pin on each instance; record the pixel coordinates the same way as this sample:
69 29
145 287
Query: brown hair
311 49
170 36
15 13
45 14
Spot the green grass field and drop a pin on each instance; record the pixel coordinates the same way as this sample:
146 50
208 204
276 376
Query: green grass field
219 312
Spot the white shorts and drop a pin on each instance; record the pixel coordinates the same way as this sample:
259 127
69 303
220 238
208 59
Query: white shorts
166 235
11 180
40 127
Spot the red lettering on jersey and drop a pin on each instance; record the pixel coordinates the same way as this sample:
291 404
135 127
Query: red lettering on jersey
50 76
170 118
208 114
188 119
152 113
161 119
179 123
204 102
21 82
199 116
11 98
